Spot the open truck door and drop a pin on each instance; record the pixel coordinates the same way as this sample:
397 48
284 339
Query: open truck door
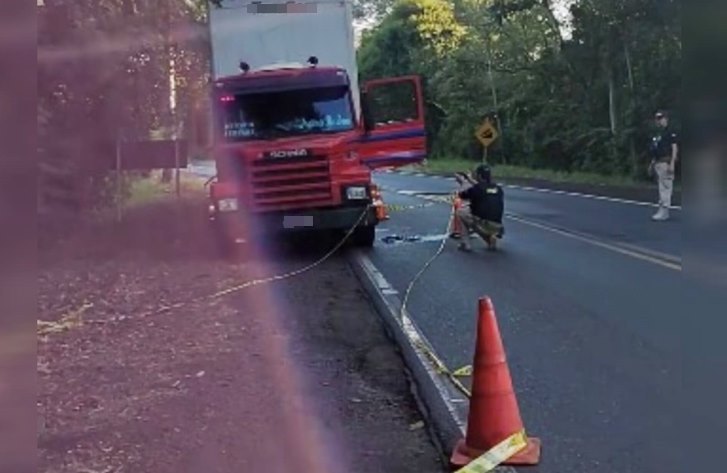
393 122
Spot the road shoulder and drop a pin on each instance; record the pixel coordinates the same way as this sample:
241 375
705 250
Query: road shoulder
141 370
445 406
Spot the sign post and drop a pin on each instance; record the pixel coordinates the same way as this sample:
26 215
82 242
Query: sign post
119 184
147 155
177 182
177 172
486 134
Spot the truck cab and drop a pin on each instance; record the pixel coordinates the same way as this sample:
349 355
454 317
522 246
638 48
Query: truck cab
295 135
293 154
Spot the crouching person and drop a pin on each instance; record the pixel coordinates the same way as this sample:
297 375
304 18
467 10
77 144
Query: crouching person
485 211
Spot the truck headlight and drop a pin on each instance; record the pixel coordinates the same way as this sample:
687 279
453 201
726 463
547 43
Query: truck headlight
228 205
356 193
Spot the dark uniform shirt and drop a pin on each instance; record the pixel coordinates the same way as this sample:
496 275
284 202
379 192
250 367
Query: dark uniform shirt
486 201
661 144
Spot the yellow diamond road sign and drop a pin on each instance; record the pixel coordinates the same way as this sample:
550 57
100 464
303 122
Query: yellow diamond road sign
487 133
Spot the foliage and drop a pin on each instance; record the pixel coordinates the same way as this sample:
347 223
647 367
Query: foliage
572 97
371 9
104 72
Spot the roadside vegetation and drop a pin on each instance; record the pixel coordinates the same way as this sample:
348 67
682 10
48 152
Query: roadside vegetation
574 83
151 188
505 172
104 69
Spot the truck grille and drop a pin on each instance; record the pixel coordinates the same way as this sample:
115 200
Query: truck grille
290 183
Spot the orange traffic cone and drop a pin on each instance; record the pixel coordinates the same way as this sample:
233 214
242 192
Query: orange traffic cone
379 205
456 225
381 213
494 413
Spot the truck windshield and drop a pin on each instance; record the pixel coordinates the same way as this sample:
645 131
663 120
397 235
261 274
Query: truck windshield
277 114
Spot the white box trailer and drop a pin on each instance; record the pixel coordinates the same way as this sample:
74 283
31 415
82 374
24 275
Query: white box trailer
278 32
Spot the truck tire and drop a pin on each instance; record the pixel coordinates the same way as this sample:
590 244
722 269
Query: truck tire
364 237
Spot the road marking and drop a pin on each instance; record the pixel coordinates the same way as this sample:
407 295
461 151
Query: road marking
654 253
409 193
669 264
562 192
413 335
588 196
377 277
662 259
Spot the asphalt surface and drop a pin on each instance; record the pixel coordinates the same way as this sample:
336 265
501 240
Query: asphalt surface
617 358
616 354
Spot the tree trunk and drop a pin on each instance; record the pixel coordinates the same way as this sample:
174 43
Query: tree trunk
629 68
171 97
633 155
612 101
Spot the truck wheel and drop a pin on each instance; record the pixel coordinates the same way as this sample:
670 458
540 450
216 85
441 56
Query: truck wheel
364 237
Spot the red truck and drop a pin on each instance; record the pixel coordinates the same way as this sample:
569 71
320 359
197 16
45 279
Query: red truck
295 144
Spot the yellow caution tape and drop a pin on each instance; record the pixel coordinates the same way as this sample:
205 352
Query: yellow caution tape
296 272
436 362
75 318
497 454
402 208
463 372
69 321
442 369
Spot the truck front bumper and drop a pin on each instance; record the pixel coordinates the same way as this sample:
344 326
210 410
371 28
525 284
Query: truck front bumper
339 218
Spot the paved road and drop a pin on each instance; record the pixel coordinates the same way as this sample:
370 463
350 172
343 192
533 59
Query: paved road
594 312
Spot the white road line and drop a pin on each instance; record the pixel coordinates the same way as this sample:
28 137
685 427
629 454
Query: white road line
656 254
377 277
413 336
604 198
607 246
662 259
587 196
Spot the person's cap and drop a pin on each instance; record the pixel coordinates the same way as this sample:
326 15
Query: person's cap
660 114
483 172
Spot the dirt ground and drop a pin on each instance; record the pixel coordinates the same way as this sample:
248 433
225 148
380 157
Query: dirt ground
141 370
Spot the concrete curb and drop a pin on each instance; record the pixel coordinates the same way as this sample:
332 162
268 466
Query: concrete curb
445 407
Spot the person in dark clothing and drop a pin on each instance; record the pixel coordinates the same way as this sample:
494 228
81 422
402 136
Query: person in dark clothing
664 152
486 208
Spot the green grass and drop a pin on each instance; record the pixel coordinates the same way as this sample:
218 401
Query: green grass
147 190
505 172
143 191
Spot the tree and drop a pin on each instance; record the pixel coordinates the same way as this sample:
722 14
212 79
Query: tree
575 98
104 69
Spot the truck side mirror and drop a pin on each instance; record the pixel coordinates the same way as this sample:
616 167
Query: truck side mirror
366 116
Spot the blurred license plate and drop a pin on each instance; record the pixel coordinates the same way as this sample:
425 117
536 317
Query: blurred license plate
297 221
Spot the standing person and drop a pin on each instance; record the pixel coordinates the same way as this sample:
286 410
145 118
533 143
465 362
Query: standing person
664 153
484 215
